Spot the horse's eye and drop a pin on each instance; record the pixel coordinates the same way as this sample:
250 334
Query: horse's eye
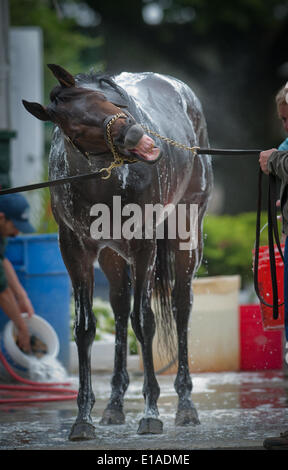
54 99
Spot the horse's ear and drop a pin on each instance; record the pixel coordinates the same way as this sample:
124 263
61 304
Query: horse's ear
65 78
37 110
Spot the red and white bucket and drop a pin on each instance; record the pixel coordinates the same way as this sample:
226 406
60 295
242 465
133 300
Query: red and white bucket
265 288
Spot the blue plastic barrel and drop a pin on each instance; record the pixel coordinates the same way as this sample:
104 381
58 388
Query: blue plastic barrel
38 263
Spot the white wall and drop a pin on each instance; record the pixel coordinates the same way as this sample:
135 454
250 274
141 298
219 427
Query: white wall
26 75
4 65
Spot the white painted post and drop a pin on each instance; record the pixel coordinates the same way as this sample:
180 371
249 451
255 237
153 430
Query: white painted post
26 83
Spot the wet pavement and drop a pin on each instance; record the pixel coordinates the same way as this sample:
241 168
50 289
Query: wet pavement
236 410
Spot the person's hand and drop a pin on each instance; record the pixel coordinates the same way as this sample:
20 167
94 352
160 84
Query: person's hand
23 338
263 160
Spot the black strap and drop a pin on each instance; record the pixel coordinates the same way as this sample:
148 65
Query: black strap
230 152
272 233
272 197
46 184
72 179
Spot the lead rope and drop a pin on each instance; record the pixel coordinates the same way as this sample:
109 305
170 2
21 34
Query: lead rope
119 160
272 232
171 141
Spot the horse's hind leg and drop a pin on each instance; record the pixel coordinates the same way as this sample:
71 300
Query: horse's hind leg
143 324
79 263
186 263
116 271
182 303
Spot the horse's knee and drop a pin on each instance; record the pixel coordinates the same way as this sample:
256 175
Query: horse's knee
85 328
136 327
120 300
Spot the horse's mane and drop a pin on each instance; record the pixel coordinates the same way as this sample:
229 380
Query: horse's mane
93 77
97 81
104 83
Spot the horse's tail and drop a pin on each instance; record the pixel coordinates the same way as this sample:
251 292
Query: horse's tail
162 299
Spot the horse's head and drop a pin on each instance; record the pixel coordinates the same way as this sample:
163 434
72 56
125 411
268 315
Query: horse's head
83 114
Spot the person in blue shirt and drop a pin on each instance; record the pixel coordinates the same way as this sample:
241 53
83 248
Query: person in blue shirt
14 300
275 161
282 110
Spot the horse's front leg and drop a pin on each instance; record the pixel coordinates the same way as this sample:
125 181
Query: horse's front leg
84 330
143 323
79 263
116 271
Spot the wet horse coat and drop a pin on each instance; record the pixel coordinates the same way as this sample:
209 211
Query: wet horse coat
79 108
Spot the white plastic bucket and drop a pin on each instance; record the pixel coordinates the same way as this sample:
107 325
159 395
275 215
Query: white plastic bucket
38 327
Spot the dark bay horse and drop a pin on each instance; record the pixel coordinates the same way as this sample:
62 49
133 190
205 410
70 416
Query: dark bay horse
81 108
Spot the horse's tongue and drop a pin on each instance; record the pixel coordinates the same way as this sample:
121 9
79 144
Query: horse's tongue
150 156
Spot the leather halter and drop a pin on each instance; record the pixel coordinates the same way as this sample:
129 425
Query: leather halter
87 154
119 160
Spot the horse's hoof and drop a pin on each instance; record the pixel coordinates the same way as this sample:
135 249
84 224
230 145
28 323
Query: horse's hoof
187 417
111 417
82 432
150 426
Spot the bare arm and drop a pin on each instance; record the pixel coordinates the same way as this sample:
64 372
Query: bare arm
17 289
10 306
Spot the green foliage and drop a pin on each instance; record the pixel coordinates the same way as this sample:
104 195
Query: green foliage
63 42
240 15
228 245
206 16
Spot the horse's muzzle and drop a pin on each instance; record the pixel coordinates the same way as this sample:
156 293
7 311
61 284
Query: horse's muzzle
128 139
131 141
156 155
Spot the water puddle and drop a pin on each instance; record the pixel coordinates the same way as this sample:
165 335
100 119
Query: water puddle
235 410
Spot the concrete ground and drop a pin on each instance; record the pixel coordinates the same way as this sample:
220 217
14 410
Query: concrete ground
237 411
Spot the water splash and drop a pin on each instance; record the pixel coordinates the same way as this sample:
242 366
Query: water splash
46 369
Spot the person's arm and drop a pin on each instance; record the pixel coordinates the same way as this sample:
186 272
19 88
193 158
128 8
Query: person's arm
17 289
276 162
9 305
263 160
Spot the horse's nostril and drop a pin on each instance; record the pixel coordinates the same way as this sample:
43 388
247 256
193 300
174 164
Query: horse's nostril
133 136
